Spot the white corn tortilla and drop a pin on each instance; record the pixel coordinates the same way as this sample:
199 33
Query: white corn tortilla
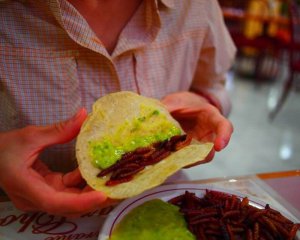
110 112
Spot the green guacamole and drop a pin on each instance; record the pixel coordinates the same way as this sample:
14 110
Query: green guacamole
149 127
154 219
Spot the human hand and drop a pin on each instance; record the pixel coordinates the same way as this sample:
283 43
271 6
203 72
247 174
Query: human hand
200 119
28 182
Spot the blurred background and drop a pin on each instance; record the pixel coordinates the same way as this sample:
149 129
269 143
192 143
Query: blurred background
264 88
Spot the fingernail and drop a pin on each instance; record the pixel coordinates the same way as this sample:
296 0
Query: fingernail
223 144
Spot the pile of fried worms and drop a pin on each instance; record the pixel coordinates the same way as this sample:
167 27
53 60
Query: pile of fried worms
133 162
223 216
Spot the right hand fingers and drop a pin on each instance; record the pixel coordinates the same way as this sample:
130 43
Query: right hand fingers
73 179
24 145
40 137
26 185
67 202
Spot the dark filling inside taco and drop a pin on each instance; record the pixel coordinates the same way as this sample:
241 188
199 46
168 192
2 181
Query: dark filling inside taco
135 161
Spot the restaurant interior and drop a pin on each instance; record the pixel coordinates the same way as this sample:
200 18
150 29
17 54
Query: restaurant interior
264 88
262 159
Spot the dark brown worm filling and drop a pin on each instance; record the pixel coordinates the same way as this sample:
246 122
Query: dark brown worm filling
133 162
222 216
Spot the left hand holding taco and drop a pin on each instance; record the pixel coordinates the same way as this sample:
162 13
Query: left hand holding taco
200 119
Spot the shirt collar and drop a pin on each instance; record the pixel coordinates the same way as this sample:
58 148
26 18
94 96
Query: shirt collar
59 6
167 3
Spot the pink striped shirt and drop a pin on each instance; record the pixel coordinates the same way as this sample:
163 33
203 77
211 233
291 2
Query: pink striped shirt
52 63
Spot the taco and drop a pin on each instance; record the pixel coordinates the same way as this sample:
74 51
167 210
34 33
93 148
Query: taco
127 127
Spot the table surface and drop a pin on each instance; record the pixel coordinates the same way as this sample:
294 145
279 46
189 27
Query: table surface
286 185
279 189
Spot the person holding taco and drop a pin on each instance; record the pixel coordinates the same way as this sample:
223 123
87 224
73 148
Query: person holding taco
59 56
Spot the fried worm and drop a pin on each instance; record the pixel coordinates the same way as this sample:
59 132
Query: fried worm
223 216
134 162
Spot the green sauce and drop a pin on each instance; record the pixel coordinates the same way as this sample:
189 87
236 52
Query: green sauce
154 219
150 127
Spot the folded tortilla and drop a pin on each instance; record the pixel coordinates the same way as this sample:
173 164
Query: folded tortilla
112 117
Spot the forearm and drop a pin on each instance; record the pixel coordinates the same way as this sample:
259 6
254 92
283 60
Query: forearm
215 60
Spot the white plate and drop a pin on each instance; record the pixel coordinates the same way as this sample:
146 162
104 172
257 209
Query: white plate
165 193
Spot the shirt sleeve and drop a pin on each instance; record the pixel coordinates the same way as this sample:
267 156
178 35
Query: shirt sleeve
216 58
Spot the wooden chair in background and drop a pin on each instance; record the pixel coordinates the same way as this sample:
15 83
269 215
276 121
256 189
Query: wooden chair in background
260 44
293 53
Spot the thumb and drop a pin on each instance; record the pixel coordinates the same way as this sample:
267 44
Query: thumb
172 103
61 132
